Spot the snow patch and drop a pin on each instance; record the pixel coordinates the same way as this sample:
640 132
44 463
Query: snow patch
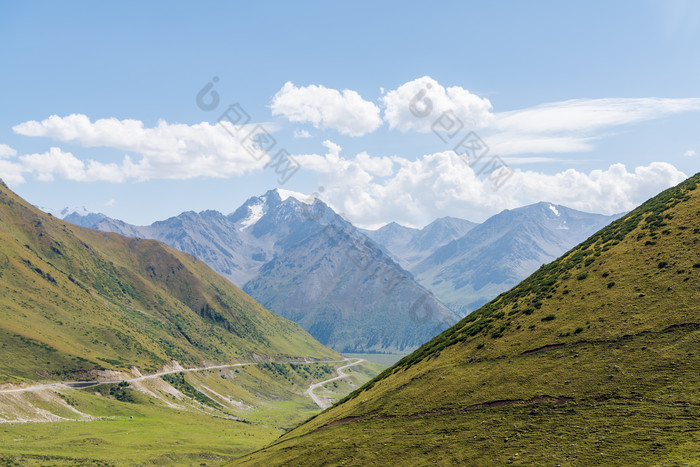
256 212
284 194
554 210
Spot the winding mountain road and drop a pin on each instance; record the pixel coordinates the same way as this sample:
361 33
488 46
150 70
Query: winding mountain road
320 402
87 384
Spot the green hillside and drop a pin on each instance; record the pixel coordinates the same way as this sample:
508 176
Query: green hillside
74 300
591 360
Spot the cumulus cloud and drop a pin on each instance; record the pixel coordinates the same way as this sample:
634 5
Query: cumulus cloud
416 192
55 162
173 151
6 151
690 153
11 172
344 111
346 172
417 104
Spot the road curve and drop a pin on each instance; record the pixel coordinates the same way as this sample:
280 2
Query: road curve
317 400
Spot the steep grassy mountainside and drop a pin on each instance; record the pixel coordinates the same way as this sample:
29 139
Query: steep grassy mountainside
74 300
592 360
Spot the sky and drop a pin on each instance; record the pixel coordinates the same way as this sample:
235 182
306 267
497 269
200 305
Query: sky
388 111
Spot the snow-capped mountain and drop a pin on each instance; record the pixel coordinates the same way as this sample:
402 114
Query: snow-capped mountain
298 258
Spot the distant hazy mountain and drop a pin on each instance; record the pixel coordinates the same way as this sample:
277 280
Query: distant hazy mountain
498 254
78 215
410 246
342 287
306 263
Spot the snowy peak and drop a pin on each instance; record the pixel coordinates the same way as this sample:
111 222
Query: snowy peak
81 211
277 200
285 194
253 209
76 215
67 211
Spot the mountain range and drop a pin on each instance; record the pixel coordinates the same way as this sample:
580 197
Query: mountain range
591 360
306 263
303 261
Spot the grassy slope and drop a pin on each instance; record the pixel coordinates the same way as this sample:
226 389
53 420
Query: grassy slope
239 410
73 299
592 359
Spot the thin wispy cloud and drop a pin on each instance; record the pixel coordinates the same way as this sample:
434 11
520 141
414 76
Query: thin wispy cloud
589 115
301 134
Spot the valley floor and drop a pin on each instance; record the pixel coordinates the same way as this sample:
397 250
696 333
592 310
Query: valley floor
201 416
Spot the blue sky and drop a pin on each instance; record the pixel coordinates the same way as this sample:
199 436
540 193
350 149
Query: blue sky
595 106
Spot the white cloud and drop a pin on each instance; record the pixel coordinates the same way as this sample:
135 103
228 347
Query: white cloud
441 184
55 162
6 151
690 153
417 104
111 202
518 143
302 134
171 151
589 115
574 125
558 127
11 172
344 111
344 173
